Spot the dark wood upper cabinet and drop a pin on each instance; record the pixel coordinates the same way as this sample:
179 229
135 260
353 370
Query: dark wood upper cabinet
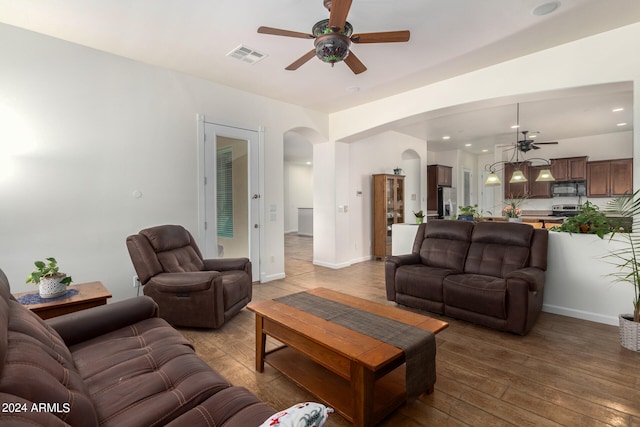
609 178
439 176
538 189
569 168
621 177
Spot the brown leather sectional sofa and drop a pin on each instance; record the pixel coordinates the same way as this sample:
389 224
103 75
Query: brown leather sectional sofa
113 365
489 273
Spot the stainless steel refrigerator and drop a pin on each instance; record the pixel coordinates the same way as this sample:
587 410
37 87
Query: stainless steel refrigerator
447 202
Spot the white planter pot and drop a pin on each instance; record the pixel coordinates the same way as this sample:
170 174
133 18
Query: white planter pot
51 287
629 332
515 219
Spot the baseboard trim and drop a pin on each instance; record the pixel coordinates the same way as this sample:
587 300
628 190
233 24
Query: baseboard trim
579 314
264 278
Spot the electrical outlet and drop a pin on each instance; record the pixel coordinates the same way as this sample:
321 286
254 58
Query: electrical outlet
136 282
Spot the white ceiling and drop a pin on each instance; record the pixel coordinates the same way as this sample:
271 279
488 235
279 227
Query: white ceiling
448 38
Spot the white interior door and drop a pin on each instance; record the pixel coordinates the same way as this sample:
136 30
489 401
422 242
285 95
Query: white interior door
230 189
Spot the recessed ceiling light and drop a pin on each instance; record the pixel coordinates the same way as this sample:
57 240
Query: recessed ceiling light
532 135
615 110
308 163
485 150
446 137
545 8
468 145
515 127
621 124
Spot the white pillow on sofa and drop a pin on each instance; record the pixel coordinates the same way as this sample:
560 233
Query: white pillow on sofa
307 414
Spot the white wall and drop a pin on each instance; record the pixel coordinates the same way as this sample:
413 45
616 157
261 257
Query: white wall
298 193
379 154
103 127
579 282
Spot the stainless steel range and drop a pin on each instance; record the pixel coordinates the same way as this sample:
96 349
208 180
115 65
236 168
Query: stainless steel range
565 210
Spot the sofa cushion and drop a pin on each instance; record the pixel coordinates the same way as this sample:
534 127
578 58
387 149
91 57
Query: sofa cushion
175 248
477 293
421 281
497 249
180 260
145 374
39 368
231 407
445 244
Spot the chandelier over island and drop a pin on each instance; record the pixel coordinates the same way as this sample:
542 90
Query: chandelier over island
515 160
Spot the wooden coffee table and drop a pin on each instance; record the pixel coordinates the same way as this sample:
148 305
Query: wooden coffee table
362 378
89 295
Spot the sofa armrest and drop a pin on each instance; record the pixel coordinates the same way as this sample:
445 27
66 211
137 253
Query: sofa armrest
86 324
226 264
391 265
535 277
184 282
406 259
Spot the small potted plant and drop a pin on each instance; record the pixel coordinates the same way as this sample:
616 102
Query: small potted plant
468 213
512 211
51 282
419 216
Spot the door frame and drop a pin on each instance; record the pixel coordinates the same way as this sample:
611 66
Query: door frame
256 172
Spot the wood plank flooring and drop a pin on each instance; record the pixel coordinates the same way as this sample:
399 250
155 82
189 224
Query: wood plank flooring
566 372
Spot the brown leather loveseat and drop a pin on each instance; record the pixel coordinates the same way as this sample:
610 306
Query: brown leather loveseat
489 273
114 365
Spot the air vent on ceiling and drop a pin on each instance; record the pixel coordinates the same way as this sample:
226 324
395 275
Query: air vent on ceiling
246 54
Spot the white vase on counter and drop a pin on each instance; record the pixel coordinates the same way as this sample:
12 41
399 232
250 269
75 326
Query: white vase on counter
518 219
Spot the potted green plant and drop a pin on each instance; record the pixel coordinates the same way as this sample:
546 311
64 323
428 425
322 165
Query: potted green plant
627 262
51 282
590 220
419 216
468 213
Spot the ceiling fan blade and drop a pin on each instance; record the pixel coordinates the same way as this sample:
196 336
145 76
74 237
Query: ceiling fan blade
302 60
286 33
338 13
354 63
548 143
384 37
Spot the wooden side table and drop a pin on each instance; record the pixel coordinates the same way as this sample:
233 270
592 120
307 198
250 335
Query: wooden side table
89 295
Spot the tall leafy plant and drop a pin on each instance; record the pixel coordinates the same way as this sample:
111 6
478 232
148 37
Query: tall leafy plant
627 259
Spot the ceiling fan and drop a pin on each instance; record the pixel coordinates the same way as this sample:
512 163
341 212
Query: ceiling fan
525 144
334 36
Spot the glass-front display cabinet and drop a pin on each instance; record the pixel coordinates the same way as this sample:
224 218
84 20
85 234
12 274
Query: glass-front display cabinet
388 209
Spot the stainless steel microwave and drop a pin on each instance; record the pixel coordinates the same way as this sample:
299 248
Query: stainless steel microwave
568 189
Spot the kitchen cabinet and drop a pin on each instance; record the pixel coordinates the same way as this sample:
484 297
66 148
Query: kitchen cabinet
388 209
621 177
610 178
538 189
518 189
437 176
569 168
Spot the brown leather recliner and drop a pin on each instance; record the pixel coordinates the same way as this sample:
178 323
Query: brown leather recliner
190 291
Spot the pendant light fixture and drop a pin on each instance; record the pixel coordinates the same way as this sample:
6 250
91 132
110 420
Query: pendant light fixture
517 176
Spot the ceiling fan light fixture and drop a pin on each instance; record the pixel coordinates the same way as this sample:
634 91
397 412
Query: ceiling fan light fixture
545 176
332 47
322 28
